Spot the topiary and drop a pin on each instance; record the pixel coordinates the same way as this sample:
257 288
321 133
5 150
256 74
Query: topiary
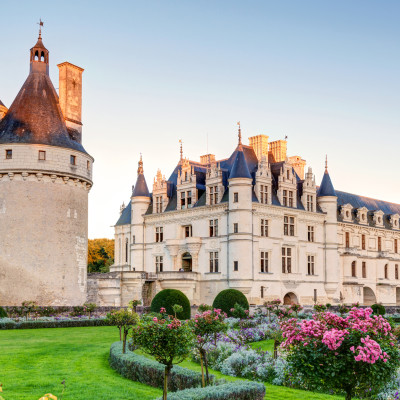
167 298
227 299
378 309
3 313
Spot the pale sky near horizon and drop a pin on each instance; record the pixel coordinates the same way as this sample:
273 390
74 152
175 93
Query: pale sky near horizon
326 74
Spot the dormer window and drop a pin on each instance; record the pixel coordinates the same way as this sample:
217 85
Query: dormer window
263 194
213 195
362 214
310 203
346 212
394 221
378 218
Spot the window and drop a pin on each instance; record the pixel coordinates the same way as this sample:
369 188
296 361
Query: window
287 174
364 269
310 234
88 164
310 202
42 155
395 246
285 198
262 292
213 195
264 194
310 265
288 198
8 154
213 227
396 271
188 231
159 263
347 239
264 261
159 234
379 243
236 265
264 227
288 226
353 269
183 200
186 199
214 261
363 242
235 227
286 260
386 271
72 160
235 197
133 239
126 250
159 204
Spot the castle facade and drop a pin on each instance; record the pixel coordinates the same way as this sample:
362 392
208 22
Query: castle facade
256 222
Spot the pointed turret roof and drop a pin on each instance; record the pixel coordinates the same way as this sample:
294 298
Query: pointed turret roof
140 189
35 115
239 167
326 188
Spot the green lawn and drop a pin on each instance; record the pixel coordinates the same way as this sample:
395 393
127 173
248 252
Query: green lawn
35 361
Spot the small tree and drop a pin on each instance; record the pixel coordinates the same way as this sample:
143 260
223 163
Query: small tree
168 340
124 320
354 355
206 326
176 308
272 307
28 307
89 308
132 305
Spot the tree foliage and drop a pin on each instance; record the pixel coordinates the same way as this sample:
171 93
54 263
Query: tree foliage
226 300
100 255
167 298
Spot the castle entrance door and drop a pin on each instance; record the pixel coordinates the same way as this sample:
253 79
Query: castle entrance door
290 298
369 296
187 262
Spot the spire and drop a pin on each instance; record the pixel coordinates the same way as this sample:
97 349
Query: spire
40 23
239 167
39 58
239 134
140 189
181 150
326 188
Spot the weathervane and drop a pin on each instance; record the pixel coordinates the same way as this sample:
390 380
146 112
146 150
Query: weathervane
180 141
326 163
239 133
40 23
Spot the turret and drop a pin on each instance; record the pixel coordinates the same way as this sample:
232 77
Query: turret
39 56
327 200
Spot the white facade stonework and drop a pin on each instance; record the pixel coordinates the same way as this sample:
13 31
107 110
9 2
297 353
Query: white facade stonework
267 246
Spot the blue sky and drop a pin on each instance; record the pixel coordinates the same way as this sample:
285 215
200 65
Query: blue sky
324 73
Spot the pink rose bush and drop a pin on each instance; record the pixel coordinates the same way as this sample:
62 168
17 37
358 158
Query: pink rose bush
353 355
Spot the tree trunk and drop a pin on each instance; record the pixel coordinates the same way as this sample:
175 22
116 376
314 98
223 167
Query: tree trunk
120 335
166 376
276 344
206 365
203 384
124 341
348 394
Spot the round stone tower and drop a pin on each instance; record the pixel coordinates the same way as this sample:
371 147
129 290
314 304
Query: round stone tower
45 178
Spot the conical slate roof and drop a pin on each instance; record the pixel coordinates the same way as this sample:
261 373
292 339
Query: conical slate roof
326 188
239 167
35 116
140 188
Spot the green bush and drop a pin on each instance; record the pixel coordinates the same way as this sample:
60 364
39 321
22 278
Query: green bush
145 370
167 298
378 309
227 391
10 324
3 313
227 299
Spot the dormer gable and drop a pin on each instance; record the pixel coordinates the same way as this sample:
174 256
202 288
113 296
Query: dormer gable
160 193
346 212
309 196
214 184
263 187
287 186
186 186
378 218
362 215
395 221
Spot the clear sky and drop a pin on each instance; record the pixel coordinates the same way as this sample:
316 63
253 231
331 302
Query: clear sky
324 73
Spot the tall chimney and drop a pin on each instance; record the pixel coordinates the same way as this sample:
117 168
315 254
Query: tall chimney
70 97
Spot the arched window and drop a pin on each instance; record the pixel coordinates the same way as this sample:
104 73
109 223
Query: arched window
126 250
36 58
386 271
353 269
42 56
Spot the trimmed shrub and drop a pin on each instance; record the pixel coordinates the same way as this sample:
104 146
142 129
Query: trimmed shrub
235 391
145 370
3 313
11 324
227 299
167 298
378 309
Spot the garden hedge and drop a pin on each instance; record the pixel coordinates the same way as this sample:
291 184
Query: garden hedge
228 391
32 324
145 370
227 299
168 298
3 313
378 309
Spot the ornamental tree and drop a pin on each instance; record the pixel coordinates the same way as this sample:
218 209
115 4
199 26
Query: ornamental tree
354 355
206 327
124 320
168 340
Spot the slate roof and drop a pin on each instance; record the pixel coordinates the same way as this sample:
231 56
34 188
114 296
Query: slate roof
141 189
35 116
239 167
125 217
326 188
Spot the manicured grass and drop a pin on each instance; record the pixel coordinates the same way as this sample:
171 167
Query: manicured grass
33 362
266 345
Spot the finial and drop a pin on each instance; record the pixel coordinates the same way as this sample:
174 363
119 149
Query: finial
140 165
40 23
239 133
326 163
180 141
